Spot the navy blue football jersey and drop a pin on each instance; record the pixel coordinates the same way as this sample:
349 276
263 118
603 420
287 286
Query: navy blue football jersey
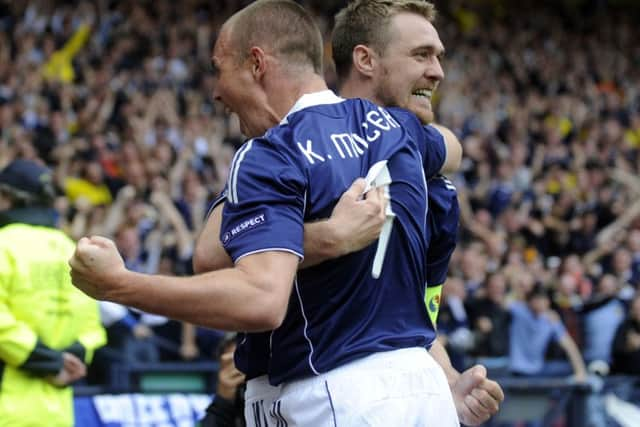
443 219
338 310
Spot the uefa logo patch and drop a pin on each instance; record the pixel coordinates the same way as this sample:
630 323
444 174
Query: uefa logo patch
243 227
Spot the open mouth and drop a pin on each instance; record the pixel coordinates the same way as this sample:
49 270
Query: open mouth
423 94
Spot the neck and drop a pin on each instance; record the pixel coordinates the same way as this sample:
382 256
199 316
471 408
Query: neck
355 87
289 91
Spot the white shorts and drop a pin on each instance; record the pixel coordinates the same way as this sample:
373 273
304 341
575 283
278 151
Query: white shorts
401 388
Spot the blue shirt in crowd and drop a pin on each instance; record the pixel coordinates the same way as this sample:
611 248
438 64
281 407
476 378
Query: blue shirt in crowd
530 335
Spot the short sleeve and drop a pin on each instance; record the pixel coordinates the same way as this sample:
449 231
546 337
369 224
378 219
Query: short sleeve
438 258
222 197
264 206
435 151
429 140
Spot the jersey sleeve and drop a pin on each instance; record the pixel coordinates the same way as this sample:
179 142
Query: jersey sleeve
222 197
443 219
429 140
264 207
435 151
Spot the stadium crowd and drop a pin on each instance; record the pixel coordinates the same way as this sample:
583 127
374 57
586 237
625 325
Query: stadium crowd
116 98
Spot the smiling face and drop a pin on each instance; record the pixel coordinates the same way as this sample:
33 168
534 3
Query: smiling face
410 69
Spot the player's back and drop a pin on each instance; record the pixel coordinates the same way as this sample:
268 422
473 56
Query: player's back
338 311
296 173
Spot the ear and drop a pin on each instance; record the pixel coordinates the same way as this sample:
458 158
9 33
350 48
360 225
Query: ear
365 60
258 62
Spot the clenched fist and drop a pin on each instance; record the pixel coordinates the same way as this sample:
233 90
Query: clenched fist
477 398
97 267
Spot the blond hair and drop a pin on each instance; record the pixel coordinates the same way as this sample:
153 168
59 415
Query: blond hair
366 22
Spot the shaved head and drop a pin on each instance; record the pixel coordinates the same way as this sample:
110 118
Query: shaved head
281 28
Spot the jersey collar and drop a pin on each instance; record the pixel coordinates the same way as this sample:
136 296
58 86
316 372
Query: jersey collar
310 99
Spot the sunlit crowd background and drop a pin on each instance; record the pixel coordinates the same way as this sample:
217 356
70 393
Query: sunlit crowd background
545 97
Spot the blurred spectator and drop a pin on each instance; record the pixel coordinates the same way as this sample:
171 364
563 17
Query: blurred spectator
601 316
116 97
129 341
491 321
453 323
58 65
533 326
227 407
622 267
626 345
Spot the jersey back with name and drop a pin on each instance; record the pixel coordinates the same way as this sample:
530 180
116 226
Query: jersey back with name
296 173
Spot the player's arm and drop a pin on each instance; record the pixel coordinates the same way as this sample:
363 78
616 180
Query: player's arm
209 254
252 296
261 230
439 353
440 149
476 397
453 147
355 223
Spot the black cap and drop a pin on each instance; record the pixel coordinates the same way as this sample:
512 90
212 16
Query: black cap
27 180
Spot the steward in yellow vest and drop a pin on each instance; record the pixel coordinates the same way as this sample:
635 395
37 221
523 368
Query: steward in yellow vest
48 328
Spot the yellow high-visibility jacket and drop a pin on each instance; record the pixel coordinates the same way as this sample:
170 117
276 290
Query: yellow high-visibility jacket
41 314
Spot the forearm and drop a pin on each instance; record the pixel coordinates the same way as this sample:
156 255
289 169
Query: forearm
577 363
574 356
229 299
439 353
320 243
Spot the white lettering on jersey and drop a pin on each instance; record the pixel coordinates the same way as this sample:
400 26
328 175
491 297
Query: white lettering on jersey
340 136
243 226
376 133
308 152
392 122
349 145
377 120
